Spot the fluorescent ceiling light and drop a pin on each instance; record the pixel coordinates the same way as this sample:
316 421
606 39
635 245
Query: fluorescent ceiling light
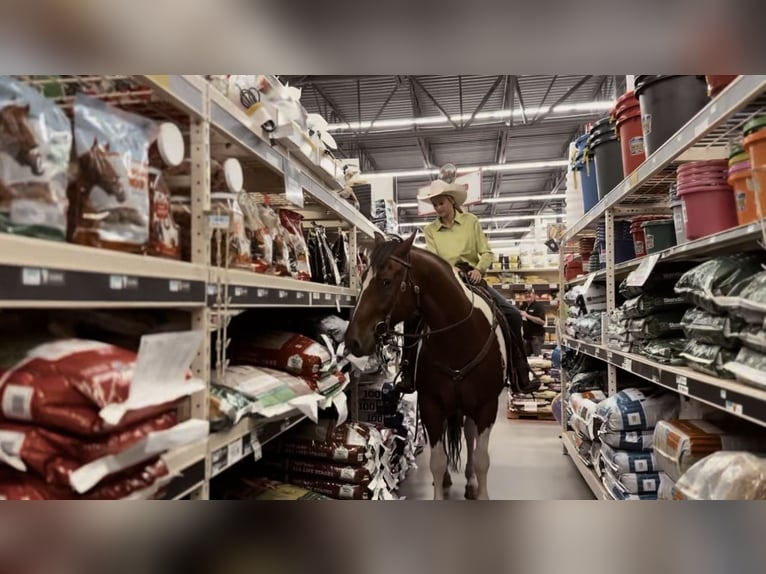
508 199
512 166
584 107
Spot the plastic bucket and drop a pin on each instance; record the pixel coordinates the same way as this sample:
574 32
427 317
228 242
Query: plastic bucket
608 158
587 170
755 144
623 250
660 234
716 84
740 179
639 240
667 104
631 138
707 210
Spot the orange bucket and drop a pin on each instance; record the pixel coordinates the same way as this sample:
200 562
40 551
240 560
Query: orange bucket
755 144
740 178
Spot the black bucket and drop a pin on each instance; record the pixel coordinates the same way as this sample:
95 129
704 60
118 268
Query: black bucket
607 154
604 126
667 104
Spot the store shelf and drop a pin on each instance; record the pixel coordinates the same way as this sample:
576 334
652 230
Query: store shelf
248 289
709 130
704 248
592 480
50 274
743 401
189 464
229 447
526 270
522 287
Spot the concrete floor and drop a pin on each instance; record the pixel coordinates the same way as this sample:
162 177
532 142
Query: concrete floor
526 464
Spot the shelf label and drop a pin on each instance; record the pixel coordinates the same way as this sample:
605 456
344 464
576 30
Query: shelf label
179 286
234 452
240 291
527 286
219 460
293 187
212 289
609 356
218 220
283 294
328 296
627 364
262 293
681 383
530 406
733 407
638 277
300 295
123 283
317 296
255 446
36 277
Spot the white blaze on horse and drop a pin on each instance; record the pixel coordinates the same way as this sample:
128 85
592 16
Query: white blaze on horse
461 364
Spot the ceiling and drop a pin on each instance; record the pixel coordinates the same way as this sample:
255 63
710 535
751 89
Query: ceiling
473 139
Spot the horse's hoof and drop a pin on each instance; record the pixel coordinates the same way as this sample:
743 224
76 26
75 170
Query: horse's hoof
470 492
447 482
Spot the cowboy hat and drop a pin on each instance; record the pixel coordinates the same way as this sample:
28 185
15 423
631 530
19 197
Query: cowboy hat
457 191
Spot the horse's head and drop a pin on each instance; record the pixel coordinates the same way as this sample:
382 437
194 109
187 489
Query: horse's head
14 124
102 172
387 297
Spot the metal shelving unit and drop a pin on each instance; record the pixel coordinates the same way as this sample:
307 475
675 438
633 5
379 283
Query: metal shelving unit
706 136
40 274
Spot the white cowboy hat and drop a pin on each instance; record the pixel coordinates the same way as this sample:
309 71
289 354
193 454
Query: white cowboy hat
457 191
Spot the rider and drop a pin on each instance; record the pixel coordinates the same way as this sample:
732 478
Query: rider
457 237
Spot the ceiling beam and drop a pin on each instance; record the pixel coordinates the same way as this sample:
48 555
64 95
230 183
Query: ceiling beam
545 97
382 108
564 98
521 103
504 135
484 101
428 94
417 111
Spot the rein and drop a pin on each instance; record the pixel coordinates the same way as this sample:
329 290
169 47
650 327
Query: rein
455 374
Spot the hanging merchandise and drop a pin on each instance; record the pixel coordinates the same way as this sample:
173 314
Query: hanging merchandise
257 233
35 146
292 224
109 201
324 266
341 250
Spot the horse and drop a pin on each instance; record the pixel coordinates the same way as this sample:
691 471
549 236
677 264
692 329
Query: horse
462 356
18 137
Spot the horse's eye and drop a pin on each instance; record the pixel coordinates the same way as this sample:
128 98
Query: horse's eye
386 283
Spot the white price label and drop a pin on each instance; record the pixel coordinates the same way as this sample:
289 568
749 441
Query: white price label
609 356
627 364
31 277
527 286
300 295
262 293
218 220
283 294
328 296
255 444
682 386
530 406
733 407
240 291
234 452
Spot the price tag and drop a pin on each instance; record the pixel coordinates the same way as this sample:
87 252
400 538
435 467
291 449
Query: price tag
122 282
283 294
527 286
234 452
218 220
609 356
212 289
530 406
627 364
179 286
300 295
638 277
255 444
262 293
681 384
293 187
240 291
505 286
328 296
735 408
219 460
31 277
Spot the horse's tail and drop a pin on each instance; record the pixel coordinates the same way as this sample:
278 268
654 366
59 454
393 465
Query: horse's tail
453 442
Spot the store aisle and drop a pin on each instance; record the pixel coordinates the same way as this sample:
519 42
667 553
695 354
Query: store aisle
527 464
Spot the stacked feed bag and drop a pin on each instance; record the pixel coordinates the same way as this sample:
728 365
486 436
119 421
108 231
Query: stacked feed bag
581 409
626 423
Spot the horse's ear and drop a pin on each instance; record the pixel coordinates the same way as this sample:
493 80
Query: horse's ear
410 240
379 238
95 144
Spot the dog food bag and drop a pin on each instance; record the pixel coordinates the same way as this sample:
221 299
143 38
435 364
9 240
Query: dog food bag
678 445
164 235
752 336
292 224
336 472
747 299
749 367
227 407
261 240
285 351
624 462
708 359
724 475
708 328
110 203
645 305
264 489
354 455
180 207
80 464
636 483
628 440
715 278
239 256
35 147
89 388
333 489
632 410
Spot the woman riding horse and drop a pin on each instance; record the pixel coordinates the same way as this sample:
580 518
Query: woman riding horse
457 237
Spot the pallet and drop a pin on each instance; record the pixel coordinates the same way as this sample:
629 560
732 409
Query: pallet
516 415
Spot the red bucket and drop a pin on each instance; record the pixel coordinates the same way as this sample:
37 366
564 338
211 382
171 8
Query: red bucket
708 209
639 237
627 114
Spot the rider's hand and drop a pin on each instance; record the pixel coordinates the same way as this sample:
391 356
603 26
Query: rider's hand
474 276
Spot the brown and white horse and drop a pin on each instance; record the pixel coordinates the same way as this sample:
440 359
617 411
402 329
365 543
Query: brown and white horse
17 136
461 363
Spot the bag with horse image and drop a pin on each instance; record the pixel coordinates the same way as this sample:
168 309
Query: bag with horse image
35 145
109 201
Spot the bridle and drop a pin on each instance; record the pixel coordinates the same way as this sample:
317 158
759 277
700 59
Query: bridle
384 333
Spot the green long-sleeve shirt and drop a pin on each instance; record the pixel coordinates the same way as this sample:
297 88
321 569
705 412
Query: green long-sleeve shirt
465 241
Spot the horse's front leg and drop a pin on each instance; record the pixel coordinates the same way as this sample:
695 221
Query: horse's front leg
472 485
435 422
